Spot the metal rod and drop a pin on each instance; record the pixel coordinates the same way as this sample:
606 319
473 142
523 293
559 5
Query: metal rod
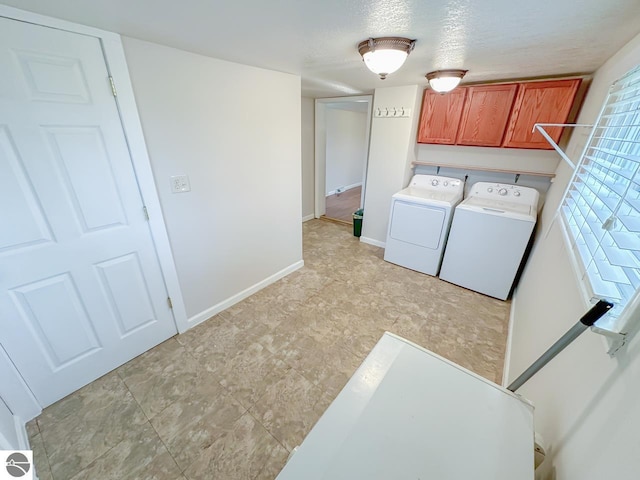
561 125
587 320
580 162
538 127
547 356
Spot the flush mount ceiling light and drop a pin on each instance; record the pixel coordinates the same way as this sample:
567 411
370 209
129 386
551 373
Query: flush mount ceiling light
385 55
443 81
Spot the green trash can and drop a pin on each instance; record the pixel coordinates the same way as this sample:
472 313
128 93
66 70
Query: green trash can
357 222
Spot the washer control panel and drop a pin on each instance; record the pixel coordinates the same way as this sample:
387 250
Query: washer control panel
505 192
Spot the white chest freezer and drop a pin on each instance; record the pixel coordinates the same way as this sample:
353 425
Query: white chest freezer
409 414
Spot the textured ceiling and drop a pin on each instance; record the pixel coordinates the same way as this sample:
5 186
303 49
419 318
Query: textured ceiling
317 39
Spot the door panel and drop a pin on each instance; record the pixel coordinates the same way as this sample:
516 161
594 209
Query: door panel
42 304
127 291
440 116
53 78
485 115
81 289
18 192
540 102
83 162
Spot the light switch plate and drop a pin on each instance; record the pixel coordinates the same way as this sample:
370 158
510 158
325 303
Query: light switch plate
180 184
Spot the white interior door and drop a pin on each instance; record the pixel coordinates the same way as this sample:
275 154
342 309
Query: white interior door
81 289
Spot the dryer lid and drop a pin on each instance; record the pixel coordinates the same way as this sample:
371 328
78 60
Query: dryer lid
426 196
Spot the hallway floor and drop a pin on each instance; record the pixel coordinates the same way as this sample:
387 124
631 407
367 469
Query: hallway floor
231 397
341 206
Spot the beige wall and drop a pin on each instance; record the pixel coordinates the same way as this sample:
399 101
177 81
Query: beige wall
543 161
308 159
391 151
587 404
235 131
346 154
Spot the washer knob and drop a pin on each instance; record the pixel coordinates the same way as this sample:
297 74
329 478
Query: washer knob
489 189
516 193
502 191
434 182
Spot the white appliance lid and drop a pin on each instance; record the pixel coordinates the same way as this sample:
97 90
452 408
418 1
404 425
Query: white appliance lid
499 205
407 414
424 195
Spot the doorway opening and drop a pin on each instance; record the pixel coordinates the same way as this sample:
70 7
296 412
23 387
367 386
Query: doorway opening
342 149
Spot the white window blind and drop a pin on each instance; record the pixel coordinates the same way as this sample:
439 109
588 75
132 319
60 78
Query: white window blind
601 209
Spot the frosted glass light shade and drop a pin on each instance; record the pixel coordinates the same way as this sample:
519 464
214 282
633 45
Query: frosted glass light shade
443 81
385 55
384 62
444 84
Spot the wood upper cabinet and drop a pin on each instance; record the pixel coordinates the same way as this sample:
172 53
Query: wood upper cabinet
539 102
485 114
440 116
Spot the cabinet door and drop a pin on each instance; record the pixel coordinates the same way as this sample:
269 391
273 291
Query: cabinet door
440 116
539 102
485 115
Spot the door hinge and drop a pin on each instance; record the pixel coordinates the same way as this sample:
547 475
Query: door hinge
170 302
113 86
146 212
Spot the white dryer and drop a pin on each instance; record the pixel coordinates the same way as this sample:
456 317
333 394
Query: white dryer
419 222
489 235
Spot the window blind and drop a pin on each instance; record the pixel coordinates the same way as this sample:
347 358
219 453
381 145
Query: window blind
601 208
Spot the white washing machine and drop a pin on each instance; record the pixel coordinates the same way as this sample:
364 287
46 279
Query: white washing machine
489 235
419 222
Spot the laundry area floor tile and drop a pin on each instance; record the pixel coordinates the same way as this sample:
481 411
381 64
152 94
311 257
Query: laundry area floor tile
230 398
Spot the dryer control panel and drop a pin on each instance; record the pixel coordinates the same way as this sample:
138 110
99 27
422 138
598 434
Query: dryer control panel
435 182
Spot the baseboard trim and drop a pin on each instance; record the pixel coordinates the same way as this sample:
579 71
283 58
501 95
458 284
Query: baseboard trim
353 185
371 241
238 297
306 218
507 352
335 220
344 189
20 430
21 433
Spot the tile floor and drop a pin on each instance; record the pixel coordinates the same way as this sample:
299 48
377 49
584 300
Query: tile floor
230 398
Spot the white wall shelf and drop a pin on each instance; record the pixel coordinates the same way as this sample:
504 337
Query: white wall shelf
481 168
